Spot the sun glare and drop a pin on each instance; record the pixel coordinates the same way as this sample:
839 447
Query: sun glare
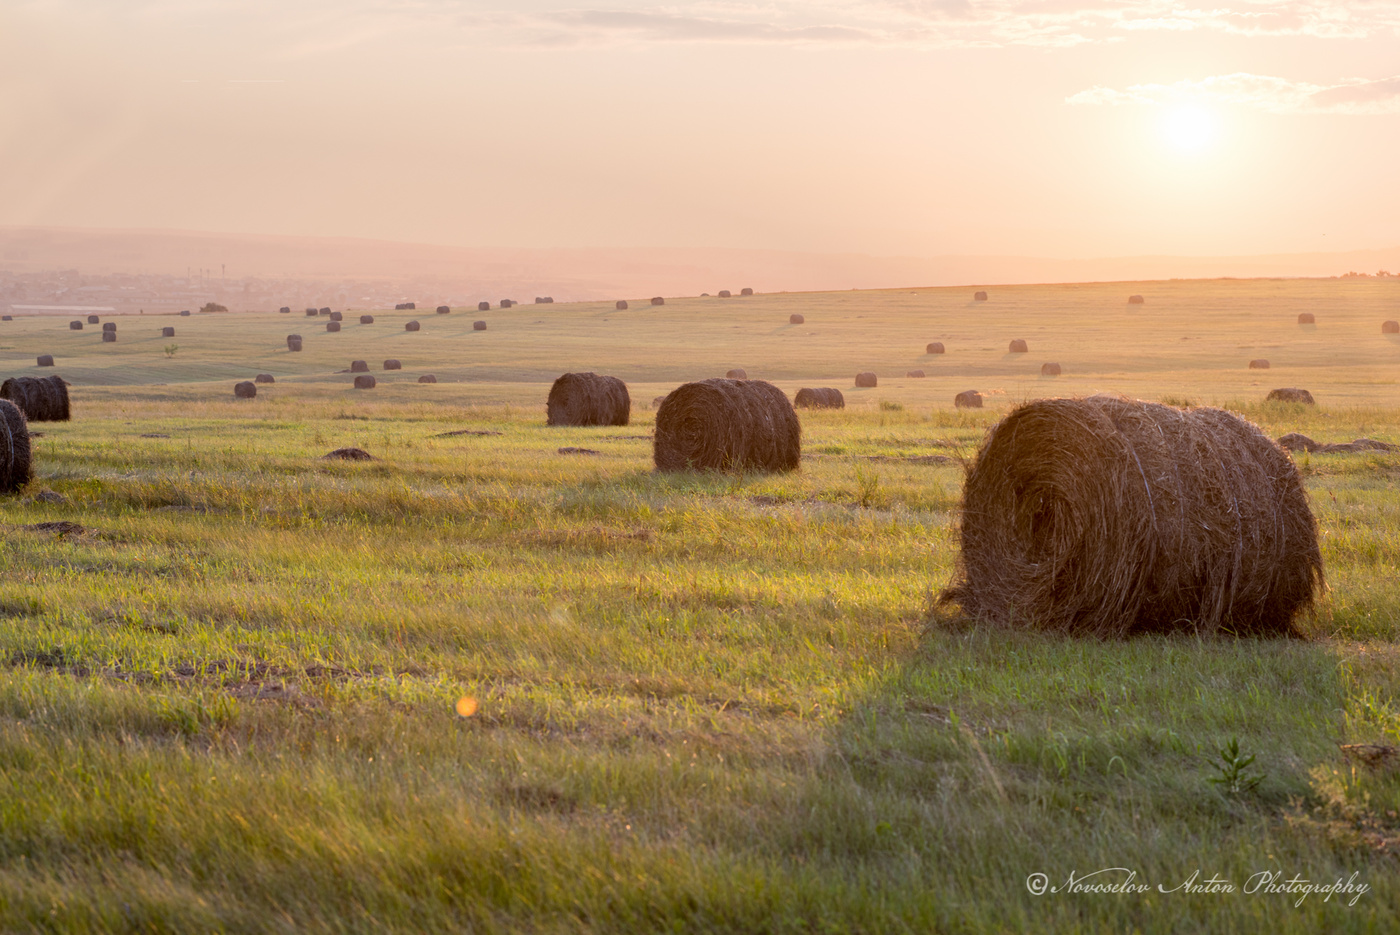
1189 129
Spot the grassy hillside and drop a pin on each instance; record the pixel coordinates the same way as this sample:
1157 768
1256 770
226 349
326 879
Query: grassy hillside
702 703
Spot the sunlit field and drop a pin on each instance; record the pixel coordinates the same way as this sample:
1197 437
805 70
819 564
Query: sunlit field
230 701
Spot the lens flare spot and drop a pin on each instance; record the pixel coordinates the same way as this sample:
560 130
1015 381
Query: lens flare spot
466 706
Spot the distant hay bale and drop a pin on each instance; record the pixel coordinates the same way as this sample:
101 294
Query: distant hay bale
411 326
264 378
914 374
621 305
1135 300
332 326
1258 363
41 399
293 342
444 310
657 300
364 382
934 347
185 313
405 307
1296 441
348 454
746 291
7 318
1017 346
109 326
337 316
968 399
727 425
284 310
45 360
588 399
1050 370
1390 327
979 296
544 300
1306 318
109 337
245 390
724 293
75 326
478 326
507 303
866 379
366 319
324 310
483 306
310 313
167 332
795 319
16 466
656 401
820 397
93 319
1291 394
738 373
427 378
392 364
359 366
1109 517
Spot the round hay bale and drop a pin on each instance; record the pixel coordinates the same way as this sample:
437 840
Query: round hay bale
348 454
324 310
738 373
245 390
44 360
1390 327
392 364
821 397
366 319
310 313
1258 363
1050 370
427 378
1135 300
93 319
337 316
483 306
727 425
293 339
109 326
109 337
588 399
478 326
746 291
1297 441
364 382
657 300
934 347
411 326
865 378
621 305
968 399
656 401
1108 517
185 313
444 310
1292 394
914 374
1306 318
979 296
7 318
796 319
75 326
16 465
284 310
41 399
167 332
724 293
264 378
544 300
359 366
332 326
507 303
1017 346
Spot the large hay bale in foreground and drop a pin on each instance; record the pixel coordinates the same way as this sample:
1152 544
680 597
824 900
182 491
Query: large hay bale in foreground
245 390
1390 327
366 319
427 378
411 326
167 332
621 305
1017 346
968 399
75 326
934 347
979 296
359 366
109 337
1259 363
727 425
264 378
588 399
364 382
796 319
16 466
332 326
44 360
1307 318
738 373
1107 516
478 326
866 379
657 300
1292 394
392 364
1135 300
41 399
820 397
1050 370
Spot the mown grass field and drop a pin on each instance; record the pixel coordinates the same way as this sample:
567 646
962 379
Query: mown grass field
703 703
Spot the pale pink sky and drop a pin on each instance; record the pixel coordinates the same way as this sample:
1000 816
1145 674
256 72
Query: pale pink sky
1068 128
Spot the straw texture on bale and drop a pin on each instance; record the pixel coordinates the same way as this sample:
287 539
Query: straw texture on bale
1259 363
1108 517
366 319
1135 300
1307 318
392 364
411 326
41 399
109 337
724 293
75 326
93 319
1050 370
109 326
914 374
427 378
332 326
364 382
746 291
866 378
444 309
359 366
45 360
727 425
483 306
284 310
1390 327
657 300
167 332
16 466
820 397
979 296
588 399
1017 346
293 342
795 319
264 378
1292 394
968 399
621 305
245 390
934 347
738 373
478 326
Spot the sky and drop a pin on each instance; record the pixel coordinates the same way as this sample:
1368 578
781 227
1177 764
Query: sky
1062 128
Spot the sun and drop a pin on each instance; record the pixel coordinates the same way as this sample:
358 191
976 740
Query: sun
1189 129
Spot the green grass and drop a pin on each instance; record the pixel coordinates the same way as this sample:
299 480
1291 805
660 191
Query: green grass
706 703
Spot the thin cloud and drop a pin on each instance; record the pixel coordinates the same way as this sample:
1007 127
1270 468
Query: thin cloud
1261 92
